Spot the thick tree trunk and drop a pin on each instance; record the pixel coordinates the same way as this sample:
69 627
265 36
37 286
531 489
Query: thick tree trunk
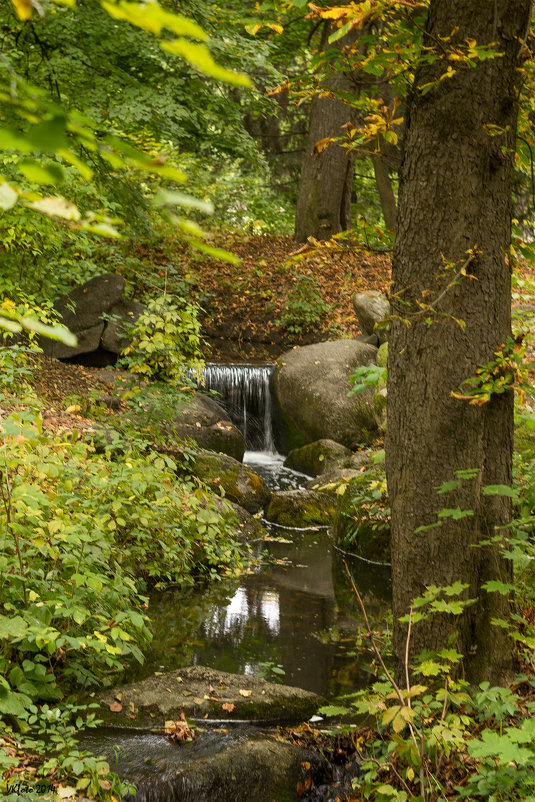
455 195
324 199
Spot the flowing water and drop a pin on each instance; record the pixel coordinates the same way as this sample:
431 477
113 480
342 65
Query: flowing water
296 612
243 390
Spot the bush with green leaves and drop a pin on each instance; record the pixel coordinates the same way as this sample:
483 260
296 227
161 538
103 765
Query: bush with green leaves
82 536
165 341
438 738
304 307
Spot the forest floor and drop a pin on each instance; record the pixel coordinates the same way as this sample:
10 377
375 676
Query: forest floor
280 295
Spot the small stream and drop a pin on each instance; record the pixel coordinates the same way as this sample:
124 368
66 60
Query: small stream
297 611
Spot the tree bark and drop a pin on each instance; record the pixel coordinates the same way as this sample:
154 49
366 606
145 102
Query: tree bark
455 195
324 199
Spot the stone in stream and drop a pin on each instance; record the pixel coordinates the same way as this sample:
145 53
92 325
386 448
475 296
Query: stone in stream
295 508
239 482
310 388
198 691
322 456
255 770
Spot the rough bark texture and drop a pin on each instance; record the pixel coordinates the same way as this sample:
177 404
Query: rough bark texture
455 194
324 199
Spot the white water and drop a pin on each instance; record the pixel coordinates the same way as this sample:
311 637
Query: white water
245 394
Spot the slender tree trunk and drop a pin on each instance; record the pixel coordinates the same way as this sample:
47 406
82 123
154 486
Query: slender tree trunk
385 189
324 199
455 195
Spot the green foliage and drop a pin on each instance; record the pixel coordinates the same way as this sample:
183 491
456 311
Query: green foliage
165 342
508 369
366 376
270 671
82 536
364 508
304 307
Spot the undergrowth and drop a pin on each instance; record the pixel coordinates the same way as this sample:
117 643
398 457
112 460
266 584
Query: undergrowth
83 537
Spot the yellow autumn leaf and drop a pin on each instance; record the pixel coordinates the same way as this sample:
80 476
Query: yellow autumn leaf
23 8
245 693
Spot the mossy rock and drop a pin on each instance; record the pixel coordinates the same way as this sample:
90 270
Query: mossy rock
262 769
321 456
239 482
201 692
300 508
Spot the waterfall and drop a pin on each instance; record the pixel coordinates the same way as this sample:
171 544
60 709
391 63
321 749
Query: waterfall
244 393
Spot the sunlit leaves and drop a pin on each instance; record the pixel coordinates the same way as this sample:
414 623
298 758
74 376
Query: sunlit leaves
200 57
153 18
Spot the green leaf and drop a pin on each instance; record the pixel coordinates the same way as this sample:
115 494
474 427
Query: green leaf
37 174
457 514
56 207
500 748
494 585
200 57
166 198
333 710
500 490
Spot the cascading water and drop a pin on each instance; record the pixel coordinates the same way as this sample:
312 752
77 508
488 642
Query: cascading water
244 393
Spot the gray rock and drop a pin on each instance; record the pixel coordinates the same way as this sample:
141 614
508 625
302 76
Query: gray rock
301 508
88 341
82 310
160 698
259 769
114 337
311 386
333 477
371 308
319 457
203 420
239 482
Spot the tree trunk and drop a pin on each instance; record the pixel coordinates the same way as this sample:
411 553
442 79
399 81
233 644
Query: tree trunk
324 199
385 189
455 194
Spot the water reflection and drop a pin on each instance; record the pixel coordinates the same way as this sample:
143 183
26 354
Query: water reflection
299 612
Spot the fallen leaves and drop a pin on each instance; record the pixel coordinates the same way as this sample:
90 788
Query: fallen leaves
244 693
179 730
228 707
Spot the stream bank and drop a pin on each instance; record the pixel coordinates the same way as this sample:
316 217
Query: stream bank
293 618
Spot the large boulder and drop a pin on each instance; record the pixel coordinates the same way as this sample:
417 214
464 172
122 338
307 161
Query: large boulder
310 388
203 420
239 482
300 508
115 336
322 457
82 310
372 308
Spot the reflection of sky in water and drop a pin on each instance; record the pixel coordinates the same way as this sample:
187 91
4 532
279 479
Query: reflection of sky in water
242 608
